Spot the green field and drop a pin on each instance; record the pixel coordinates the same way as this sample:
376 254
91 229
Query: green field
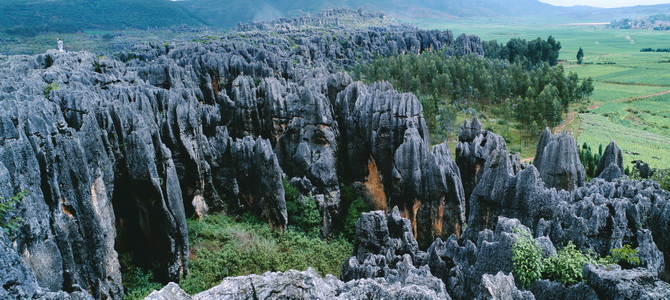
619 70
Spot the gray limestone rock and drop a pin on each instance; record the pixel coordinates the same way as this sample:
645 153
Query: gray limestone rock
557 160
502 286
612 155
411 283
626 284
473 150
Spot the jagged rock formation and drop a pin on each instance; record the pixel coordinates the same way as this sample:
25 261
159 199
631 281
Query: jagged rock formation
598 216
612 155
394 162
643 168
115 154
411 283
474 147
557 159
384 241
502 286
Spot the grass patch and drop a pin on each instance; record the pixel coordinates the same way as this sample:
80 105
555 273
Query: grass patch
634 141
221 247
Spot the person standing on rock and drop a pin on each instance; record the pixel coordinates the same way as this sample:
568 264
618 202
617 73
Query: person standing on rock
60 45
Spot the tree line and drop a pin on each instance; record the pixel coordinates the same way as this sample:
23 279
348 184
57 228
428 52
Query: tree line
526 52
535 95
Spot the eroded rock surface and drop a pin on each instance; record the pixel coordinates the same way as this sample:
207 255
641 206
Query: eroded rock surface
557 160
411 283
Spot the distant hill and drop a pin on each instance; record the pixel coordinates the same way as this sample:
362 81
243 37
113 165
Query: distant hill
235 11
232 12
29 17
23 17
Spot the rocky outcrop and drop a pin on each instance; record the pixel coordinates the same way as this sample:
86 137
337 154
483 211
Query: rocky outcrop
393 160
502 286
626 284
383 242
597 217
474 148
411 283
115 154
612 155
557 160
643 168
19 282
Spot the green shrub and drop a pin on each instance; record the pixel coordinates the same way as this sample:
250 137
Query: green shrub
567 265
8 223
625 254
527 258
357 205
303 214
137 282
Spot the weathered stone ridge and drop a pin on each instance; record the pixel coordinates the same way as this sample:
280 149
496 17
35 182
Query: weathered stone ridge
115 154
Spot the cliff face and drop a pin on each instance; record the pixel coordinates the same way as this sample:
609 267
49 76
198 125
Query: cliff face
115 154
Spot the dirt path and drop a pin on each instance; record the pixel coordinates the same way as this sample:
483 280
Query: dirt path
571 116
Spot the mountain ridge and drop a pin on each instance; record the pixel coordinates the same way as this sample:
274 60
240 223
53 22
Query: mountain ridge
21 18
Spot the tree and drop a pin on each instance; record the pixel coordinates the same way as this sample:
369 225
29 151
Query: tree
580 56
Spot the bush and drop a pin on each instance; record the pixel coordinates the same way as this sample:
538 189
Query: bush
567 265
137 283
303 214
357 205
625 255
527 258
8 223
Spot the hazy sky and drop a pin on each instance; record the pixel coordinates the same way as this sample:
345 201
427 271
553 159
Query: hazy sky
604 3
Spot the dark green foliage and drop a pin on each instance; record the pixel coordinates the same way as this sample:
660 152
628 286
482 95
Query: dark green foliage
567 265
303 214
535 52
221 247
9 222
625 255
580 55
527 258
137 283
353 197
535 96
590 159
